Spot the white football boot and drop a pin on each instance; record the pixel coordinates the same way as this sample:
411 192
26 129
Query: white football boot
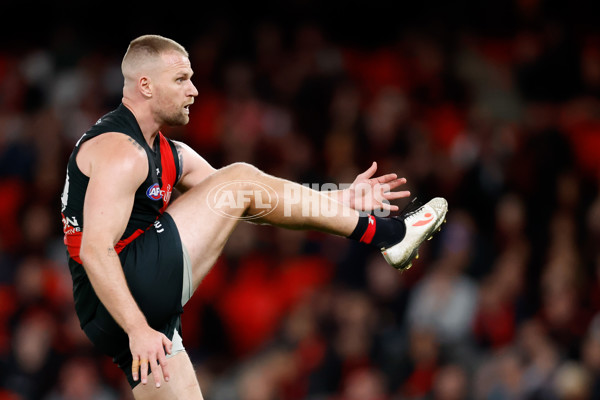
421 224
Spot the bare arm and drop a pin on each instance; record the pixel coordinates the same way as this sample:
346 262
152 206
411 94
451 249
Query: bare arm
107 207
194 168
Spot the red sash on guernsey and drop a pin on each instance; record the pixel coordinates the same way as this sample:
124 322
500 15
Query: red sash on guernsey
72 237
169 172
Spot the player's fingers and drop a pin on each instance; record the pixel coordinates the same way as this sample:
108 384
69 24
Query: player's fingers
164 366
144 370
396 195
396 183
388 207
135 368
155 371
387 178
167 344
369 172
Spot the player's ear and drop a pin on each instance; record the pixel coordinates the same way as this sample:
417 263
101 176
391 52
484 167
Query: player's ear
145 86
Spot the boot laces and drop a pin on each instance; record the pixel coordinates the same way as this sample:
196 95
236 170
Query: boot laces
410 210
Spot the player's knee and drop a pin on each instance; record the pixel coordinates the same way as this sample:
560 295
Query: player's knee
236 187
243 171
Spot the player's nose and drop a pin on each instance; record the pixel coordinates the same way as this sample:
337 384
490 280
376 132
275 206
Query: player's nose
193 91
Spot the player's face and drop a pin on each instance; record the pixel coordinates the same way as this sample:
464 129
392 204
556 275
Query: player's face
175 91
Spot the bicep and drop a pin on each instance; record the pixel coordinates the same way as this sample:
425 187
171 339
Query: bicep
106 209
194 167
110 194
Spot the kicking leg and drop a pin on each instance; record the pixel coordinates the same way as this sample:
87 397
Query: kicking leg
207 214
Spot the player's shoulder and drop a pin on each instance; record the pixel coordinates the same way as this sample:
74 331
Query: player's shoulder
115 141
114 150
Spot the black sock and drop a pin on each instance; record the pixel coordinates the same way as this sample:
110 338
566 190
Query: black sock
378 231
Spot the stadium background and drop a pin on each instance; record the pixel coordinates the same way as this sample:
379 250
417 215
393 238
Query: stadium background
493 105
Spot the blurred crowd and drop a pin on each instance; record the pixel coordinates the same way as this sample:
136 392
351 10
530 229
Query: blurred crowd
503 303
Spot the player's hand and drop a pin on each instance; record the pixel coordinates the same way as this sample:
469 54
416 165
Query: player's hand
367 193
148 351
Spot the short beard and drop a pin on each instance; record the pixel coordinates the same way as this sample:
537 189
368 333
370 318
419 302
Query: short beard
174 119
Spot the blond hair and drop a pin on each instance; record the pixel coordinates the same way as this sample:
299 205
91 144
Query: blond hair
147 48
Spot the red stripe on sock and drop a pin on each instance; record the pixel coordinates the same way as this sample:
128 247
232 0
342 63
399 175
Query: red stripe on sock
370 232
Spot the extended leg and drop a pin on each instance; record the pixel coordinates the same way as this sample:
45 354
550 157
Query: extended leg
207 214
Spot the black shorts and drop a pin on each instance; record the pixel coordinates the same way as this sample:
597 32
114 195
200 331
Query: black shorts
153 267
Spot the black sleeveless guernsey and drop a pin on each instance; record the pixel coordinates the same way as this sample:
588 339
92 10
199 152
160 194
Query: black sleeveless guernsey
151 199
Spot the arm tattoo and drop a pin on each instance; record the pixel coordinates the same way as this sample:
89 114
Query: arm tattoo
111 252
136 144
180 155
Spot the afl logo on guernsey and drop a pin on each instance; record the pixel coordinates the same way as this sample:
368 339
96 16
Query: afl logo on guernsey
154 192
